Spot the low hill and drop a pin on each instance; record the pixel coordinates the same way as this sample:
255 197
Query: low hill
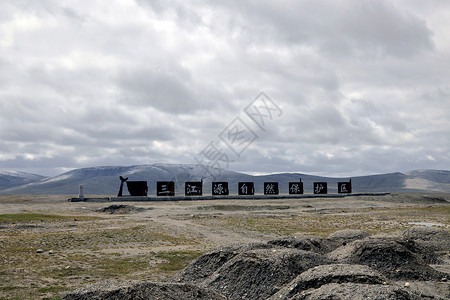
11 179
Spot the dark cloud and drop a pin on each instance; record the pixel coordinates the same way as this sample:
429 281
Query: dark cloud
165 92
361 28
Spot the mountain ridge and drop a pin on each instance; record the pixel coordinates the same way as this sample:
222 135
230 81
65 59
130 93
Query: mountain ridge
104 180
18 178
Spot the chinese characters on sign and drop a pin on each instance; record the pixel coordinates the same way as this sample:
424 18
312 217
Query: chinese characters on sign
165 188
246 188
295 188
320 188
271 188
345 187
193 188
220 189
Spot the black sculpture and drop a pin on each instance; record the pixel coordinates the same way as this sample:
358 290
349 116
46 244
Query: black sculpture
122 180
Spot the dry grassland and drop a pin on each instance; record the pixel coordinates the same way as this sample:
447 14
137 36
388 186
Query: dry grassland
154 243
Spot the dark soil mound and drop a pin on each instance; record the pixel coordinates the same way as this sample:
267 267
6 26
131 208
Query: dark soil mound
307 243
120 209
421 250
349 264
207 264
257 274
318 276
392 257
148 291
344 237
435 239
318 244
356 291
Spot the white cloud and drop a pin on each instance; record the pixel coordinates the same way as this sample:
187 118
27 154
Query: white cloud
363 85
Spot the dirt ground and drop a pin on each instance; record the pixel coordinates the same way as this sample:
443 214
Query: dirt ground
88 242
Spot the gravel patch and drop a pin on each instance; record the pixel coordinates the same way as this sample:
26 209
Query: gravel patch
357 291
148 291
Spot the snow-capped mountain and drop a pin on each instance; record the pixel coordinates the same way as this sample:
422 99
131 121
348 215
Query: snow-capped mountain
105 180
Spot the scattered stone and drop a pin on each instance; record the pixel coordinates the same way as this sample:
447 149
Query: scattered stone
427 289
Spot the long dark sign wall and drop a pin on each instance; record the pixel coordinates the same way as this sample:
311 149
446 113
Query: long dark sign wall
165 188
195 188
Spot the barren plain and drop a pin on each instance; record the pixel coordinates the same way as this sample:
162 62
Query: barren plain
49 246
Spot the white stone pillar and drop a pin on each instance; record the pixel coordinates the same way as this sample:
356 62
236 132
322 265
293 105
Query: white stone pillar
81 194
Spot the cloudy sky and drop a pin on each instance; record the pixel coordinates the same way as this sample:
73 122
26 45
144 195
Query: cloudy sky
325 87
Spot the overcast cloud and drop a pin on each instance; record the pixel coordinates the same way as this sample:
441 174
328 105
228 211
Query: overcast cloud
362 86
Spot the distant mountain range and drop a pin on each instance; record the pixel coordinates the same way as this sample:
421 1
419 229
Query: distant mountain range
13 179
105 180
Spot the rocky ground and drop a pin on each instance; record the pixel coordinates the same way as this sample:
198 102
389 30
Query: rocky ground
366 247
349 264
